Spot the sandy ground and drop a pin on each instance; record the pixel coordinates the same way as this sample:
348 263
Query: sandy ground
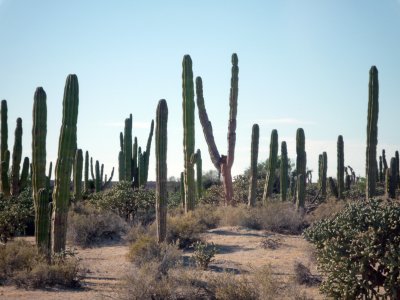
240 251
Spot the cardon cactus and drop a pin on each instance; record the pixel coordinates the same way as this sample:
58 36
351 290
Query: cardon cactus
161 170
196 159
4 145
135 167
39 133
24 174
4 173
182 190
147 153
86 187
301 162
372 132
340 166
48 177
222 163
97 180
392 178
397 167
42 221
380 178
255 138
324 173
128 149
272 161
16 158
66 151
78 166
188 131
384 161
284 171
121 166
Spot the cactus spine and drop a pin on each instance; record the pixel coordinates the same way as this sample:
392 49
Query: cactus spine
161 170
340 166
188 131
78 166
301 162
4 147
273 159
40 184
66 150
372 132
222 163
284 171
255 138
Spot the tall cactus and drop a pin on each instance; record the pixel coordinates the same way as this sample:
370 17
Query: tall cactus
24 174
196 159
284 171
255 137
135 167
301 162
182 190
147 152
16 158
222 163
161 170
48 177
392 178
324 173
188 131
5 164
86 187
42 221
340 166
4 145
384 161
66 150
397 167
121 166
78 166
381 174
372 132
128 149
273 159
97 180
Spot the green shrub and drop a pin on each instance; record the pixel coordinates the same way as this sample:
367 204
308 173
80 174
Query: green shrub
88 226
204 254
359 250
16 214
136 206
184 230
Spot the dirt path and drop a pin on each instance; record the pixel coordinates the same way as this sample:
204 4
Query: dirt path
239 250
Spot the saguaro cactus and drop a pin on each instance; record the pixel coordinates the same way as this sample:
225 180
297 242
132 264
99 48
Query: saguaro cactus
128 149
188 131
66 150
3 142
255 137
273 159
324 173
40 184
222 163
284 171
392 178
16 158
86 187
161 170
146 154
381 175
340 166
372 132
301 162
196 159
182 190
78 166
397 167
24 174
5 164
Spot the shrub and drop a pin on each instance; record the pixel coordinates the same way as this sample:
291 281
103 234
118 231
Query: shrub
359 250
204 254
327 209
16 214
206 216
184 230
133 205
88 226
229 286
21 264
303 275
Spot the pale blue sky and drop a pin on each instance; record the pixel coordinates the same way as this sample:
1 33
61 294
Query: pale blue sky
302 64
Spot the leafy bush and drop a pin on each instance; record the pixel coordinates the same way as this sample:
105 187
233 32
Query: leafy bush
204 254
16 214
21 264
359 250
133 205
88 225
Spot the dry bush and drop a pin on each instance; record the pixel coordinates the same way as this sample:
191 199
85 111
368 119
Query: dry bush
303 275
135 232
326 210
21 264
229 286
88 226
206 215
184 229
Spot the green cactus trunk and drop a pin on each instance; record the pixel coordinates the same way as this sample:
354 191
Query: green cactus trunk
161 170
284 171
324 173
384 161
121 166
42 221
301 162
223 163
332 187
128 149
141 167
135 167
372 132
24 174
16 159
380 178
188 131
392 179
97 181
182 190
320 165
255 137
5 164
397 167
78 166
147 153
340 166
4 147
48 177
86 187
66 151
196 159
273 159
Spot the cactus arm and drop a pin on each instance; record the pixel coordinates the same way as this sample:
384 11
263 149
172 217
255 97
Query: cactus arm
148 147
273 158
233 102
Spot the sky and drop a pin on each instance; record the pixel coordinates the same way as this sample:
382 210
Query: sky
301 64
